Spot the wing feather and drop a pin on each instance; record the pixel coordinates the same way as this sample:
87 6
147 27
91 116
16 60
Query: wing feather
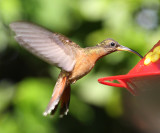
45 44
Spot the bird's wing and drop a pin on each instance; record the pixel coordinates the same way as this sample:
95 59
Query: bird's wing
53 48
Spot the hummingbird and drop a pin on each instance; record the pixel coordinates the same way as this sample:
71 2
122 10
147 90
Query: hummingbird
73 60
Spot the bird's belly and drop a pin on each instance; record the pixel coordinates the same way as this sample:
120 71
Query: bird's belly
81 68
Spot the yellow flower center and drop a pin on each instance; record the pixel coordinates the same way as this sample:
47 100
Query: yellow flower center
152 56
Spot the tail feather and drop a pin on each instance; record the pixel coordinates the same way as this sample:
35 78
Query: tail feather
57 93
54 110
65 100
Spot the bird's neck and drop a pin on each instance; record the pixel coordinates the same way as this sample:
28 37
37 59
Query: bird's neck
96 52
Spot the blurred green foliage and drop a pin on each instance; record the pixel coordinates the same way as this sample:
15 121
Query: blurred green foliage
26 82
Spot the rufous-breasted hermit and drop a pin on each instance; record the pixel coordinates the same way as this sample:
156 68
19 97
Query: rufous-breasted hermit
56 49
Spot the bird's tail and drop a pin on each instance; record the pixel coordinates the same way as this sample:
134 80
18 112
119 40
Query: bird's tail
61 93
65 99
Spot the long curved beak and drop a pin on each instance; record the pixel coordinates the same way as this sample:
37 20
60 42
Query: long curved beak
123 48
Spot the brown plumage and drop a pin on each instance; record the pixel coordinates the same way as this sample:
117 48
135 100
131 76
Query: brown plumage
56 49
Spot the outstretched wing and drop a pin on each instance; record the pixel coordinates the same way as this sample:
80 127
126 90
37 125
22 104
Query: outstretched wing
53 48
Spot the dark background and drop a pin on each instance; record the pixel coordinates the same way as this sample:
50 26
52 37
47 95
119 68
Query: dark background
26 82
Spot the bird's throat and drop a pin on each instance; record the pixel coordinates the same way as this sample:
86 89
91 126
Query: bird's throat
96 52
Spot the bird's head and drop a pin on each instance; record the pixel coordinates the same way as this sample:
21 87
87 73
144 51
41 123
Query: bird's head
111 46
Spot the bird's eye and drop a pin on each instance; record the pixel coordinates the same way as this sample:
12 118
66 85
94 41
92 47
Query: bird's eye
113 44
